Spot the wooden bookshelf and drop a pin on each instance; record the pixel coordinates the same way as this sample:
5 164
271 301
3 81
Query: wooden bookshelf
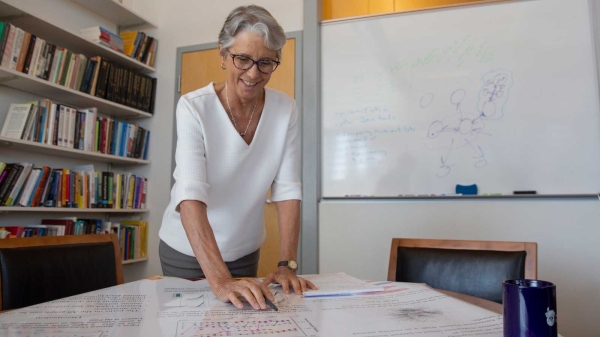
69 210
135 260
29 146
17 80
115 11
63 38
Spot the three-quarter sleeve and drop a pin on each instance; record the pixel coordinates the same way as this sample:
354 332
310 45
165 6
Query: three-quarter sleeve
286 185
190 159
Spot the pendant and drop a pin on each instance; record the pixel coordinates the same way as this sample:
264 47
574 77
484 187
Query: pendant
242 134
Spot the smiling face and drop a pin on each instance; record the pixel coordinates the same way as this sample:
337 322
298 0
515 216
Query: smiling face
247 84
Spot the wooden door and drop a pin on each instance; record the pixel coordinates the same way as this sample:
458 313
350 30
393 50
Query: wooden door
198 69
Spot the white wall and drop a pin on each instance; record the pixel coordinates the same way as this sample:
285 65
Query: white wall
183 23
355 237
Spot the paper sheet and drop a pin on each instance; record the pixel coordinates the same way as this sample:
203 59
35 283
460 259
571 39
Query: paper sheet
338 284
179 308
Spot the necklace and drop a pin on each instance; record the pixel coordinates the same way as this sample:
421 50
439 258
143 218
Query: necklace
231 113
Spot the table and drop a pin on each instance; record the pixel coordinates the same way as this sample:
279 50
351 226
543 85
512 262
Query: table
182 308
480 302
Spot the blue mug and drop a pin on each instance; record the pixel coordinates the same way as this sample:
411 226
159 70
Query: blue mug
529 308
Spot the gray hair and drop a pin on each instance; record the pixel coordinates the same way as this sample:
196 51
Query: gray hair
254 19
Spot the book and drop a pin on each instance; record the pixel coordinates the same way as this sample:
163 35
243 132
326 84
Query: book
32 181
16 119
24 51
8 46
9 182
129 39
49 60
18 186
94 78
56 61
40 64
16 50
4 177
4 29
51 129
29 55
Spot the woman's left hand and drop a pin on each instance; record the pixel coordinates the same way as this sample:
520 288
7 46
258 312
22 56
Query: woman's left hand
286 277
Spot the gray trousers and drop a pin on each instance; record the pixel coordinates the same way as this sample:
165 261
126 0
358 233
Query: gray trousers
176 264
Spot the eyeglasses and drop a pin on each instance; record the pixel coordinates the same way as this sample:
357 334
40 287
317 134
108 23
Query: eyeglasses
243 62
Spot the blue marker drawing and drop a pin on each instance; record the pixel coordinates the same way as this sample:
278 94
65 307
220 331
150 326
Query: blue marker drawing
494 93
462 129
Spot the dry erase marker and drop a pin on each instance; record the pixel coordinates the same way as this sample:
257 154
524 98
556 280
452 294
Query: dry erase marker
525 192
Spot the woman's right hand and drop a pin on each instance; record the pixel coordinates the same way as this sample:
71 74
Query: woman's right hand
252 291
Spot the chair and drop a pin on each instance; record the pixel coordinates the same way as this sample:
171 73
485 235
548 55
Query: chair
475 268
40 269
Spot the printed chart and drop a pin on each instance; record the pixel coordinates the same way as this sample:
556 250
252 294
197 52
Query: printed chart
279 327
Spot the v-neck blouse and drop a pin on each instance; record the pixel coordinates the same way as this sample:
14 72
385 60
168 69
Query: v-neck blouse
217 167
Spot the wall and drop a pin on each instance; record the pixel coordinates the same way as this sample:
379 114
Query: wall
183 23
355 237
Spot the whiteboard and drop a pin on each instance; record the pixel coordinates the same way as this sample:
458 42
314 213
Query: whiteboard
501 95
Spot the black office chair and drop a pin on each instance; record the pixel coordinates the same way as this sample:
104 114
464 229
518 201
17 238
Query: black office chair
475 268
41 269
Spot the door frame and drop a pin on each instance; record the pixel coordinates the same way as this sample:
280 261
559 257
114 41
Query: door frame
297 35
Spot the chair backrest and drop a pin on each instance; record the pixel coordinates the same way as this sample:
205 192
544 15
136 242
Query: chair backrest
41 269
475 268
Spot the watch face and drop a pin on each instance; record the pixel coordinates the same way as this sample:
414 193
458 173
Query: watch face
293 264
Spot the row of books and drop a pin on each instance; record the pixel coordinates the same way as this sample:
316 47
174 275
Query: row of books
56 227
140 46
60 125
133 234
133 239
135 44
29 54
26 185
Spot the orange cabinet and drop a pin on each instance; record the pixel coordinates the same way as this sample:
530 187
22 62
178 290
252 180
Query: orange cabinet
403 5
337 9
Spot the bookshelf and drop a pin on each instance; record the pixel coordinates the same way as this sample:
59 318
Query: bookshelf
135 260
115 11
24 145
70 40
4 209
126 19
17 80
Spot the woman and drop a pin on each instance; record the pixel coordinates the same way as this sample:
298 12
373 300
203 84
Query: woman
235 140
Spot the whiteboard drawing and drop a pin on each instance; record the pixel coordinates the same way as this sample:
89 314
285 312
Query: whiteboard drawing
463 128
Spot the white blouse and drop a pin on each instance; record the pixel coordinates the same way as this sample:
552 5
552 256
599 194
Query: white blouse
217 167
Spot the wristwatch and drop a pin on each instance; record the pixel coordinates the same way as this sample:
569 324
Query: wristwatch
291 264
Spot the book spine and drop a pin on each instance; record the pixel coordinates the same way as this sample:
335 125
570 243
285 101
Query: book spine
16 51
24 51
9 183
47 188
41 60
16 190
110 190
49 60
9 46
104 189
5 28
